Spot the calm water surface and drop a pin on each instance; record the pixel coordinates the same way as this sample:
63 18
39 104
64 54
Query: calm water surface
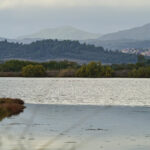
77 91
77 127
85 124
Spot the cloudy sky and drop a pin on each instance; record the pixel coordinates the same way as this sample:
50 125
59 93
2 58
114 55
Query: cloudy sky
21 17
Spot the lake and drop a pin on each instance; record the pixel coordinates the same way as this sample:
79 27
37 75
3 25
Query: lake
77 114
76 91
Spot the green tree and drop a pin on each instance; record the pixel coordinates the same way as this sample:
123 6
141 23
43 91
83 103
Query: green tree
133 73
81 72
94 69
108 71
142 72
33 71
141 59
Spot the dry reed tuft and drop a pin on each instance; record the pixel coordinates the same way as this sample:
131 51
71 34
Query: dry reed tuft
9 107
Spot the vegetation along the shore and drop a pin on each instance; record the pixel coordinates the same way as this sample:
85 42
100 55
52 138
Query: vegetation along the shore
9 107
18 68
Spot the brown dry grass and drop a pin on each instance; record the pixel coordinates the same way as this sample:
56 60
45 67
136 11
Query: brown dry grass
9 107
10 74
67 73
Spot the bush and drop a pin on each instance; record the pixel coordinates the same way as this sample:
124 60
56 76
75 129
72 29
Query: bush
33 71
15 65
107 71
142 72
81 72
94 69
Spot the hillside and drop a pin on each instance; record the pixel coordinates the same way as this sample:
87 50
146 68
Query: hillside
120 44
2 39
138 33
59 50
61 33
138 37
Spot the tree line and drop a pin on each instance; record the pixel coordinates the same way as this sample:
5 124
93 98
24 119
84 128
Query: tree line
72 69
17 65
59 50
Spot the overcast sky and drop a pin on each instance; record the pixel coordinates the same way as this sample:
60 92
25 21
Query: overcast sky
21 17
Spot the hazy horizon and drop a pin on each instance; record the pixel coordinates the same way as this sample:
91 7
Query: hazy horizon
23 17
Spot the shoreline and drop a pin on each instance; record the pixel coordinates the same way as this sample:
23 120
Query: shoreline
88 105
67 77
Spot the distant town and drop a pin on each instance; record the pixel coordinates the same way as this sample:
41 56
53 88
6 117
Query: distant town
144 52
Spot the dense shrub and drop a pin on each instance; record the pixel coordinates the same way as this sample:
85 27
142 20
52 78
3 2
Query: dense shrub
17 65
142 72
107 71
94 69
33 71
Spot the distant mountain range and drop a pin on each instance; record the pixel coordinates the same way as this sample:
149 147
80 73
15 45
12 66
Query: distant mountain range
138 37
62 33
138 33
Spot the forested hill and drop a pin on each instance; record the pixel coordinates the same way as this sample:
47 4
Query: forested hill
59 50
